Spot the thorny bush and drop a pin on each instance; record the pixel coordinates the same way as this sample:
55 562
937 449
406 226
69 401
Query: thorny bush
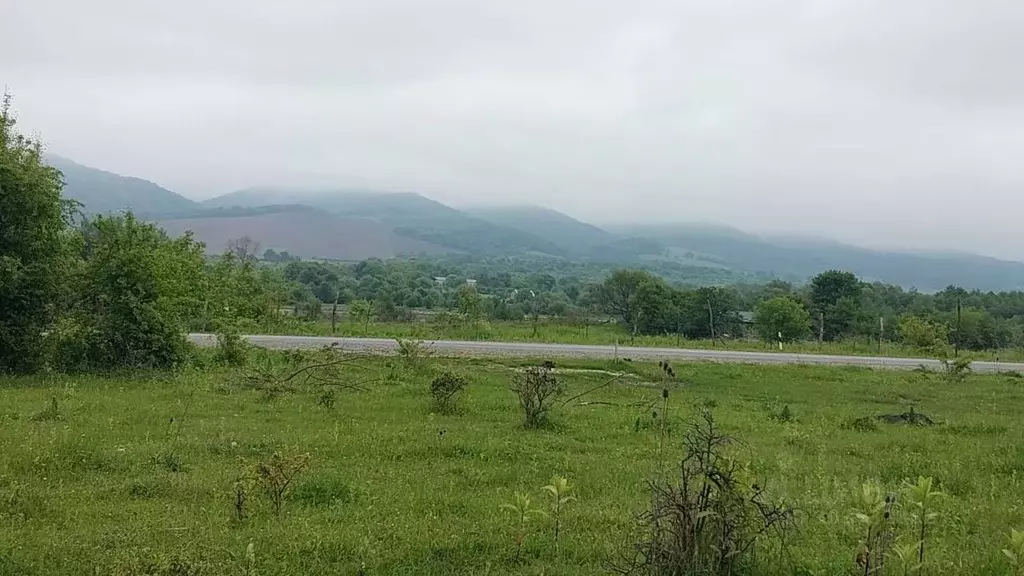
707 522
536 386
445 388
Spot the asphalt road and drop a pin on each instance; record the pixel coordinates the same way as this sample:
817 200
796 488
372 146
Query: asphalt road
535 350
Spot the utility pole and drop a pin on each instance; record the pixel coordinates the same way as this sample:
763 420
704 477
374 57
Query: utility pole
711 321
334 310
881 332
821 327
956 341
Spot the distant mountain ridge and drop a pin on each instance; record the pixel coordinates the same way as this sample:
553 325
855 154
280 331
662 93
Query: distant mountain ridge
301 231
357 224
801 259
100 191
572 235
408 214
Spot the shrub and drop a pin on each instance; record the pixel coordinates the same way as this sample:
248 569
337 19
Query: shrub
135 288
277 474
412 351
956 371
231 350
445 389
535 387
707 522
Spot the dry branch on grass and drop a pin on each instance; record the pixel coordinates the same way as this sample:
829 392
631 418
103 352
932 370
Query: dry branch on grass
325 369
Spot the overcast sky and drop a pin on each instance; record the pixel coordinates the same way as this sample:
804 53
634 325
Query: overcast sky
883 122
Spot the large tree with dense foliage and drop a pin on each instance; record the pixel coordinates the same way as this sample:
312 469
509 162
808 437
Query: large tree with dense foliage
835 302
782 319
922 333
242 293
33 245
621 294
135 291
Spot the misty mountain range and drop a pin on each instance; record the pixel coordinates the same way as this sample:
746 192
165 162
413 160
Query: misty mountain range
358 224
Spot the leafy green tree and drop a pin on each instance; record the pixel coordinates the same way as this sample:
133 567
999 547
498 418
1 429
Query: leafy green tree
468 302
360 312
979 330
305 304
34 259
619 296
924 334
782 318
777 288
241 291
718 315
136 290
657 307
835 302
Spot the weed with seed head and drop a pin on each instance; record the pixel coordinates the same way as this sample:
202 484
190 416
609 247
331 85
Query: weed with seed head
241 495
875 514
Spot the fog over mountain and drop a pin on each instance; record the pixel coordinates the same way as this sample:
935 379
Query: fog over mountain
882 123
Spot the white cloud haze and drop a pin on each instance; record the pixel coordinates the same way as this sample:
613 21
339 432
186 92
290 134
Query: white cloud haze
896 122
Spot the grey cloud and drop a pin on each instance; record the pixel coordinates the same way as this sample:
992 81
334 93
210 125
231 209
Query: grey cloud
885 122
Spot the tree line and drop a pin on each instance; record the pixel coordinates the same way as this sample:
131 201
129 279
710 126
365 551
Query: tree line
835 305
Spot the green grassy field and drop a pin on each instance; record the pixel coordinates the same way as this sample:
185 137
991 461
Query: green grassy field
135 474
604 334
